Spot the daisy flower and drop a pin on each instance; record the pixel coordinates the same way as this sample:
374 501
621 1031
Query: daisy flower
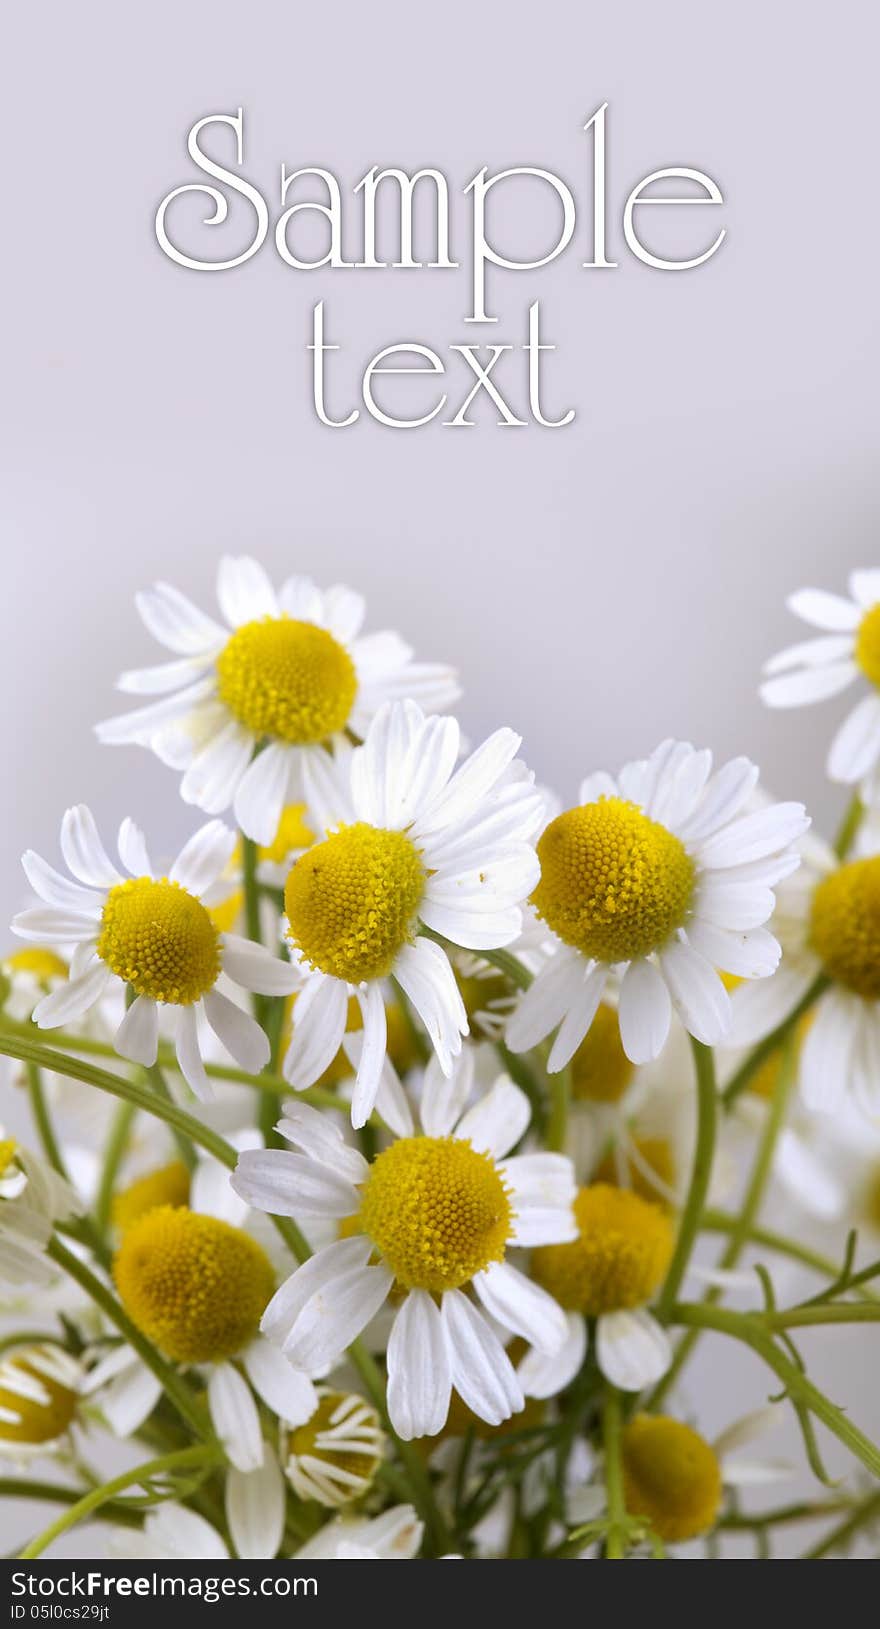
39 1397
848 647
137 928
412 843
333 1456
396 1535
828 920
433 1217
246 705
660 877
32 1199
609 1272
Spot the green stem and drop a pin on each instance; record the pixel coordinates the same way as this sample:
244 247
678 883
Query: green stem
865 1512
175 1388
251 889
849 827
765 1049
510 965
716 1221
12 1487
43 1121
751 1204
834 1312
783 1516
701 1172
183 1459
611 1432
752 1330
157 1080
114 1154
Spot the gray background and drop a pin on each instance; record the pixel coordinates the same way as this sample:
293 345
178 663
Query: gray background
599 586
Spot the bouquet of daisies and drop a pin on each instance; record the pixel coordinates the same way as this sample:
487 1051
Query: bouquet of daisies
392 1147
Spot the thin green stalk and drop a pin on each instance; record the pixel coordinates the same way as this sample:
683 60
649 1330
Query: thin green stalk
765 1049
43 1121
175 1388
183 1459
783 1516
751 1204
867 1511
114 1154
752 1330
14 1487
849 827
717 1221
615 1542
507 963
701 1172
560 1093
833 1312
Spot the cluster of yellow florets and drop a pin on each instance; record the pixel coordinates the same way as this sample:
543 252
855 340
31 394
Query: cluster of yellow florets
438 1211
160 939
352 900
287 679
618 1259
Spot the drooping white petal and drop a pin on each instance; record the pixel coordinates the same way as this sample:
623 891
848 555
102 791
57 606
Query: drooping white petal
856 746
645 1012
426 978
753 955
318 1028
286 1184
482 1373
212 774
335 1315
241 1035
631 1349
289 1393
419 1370
828 1050
234 1417
189 1056
521 1306
698 995
546 1001
262 793
255 1509
372 1054
498 1121
256 969
71 1000
179 1534
578 1019
758 1008
137 1037
543 1374
544 1189
443 1099
143 723
320 1271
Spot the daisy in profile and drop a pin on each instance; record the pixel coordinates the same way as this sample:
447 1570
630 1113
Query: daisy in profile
412 842
33 1198
248 701
828 921
137 928
433 1217
39 1400
847 647
661 877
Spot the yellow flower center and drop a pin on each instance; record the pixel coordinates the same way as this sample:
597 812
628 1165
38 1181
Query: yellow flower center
600 1069
160 939
169 1185
614 884
352 901
30 1389
867 651
438 1211
8 1150
655 1154
845 926
193 1285
619 1258
287 679
344 1435
292 833
670 1476
42 964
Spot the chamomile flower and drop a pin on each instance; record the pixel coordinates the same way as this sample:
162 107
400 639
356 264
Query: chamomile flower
412 843
848 647
33 1198
334 1455
245 706
151 934
609 1272
396 1535
434 1217
828 921
660 877
39 1397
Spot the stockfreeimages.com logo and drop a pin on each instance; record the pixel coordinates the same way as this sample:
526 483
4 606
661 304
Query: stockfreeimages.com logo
46 1597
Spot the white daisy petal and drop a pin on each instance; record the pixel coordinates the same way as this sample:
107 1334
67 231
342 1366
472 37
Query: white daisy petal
811 653
443 1099
828 1050
189 1057
856 746
598 785
698 995
288 1392
645 1012
498 1121
546 1001
753 955
749 1428
753 836
808 685
335 1315
823 610
244 592
344 612
71 1000
736 906
144 722
262 793
760 1007
543 1374
544 1190
84 853
300 597
864 587
726 794
321 1138
372 1055
214 772
203 858
133 850
256 969
58 890
419 1370
234 1417
255 1510
578 1019
320 1271
130 1399
176 622
54 925
631 1349
137 1037
804 1174
241 1035
317 1032
286 1184
482 1373
426 978
471 783
521 1306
